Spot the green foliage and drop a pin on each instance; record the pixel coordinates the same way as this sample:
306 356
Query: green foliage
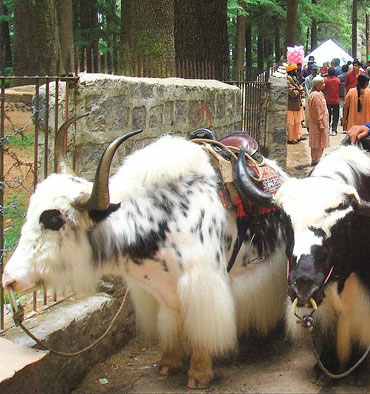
15 211
21 141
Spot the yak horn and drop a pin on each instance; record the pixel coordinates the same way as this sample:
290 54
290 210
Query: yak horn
99 198
63 165
361 207
246 188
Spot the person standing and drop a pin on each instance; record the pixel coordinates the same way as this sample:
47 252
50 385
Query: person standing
306 72
308 80
318 120
335 63
351 77
332 85
356 108
342 78
295 113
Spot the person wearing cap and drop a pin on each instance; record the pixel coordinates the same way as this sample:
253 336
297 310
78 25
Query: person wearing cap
318 120
295 113
308 81
306 72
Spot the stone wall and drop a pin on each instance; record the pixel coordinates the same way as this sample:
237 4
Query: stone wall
276 119
159 106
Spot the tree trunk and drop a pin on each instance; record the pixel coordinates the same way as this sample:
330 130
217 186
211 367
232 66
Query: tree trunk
307 37
354 28
89 31
201 33
66 35
113 39
367 37
313 30
147 30
239 45
277 39
5 47
35 38
260 52
248 46
291 32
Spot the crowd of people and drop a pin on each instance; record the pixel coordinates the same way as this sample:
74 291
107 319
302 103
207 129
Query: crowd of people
316 96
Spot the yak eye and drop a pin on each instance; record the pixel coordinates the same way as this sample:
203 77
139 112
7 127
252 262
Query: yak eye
52 219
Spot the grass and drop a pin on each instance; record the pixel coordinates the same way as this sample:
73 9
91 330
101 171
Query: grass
14 213
21 141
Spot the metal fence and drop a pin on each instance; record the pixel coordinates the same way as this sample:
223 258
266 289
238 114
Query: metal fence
22 168
38 166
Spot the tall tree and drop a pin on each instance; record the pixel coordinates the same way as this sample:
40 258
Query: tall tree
148 30
5 47
89 30
201 33
354 27
248 46
35 37
313 29
367 35
240 41
291 31
66 34
277 38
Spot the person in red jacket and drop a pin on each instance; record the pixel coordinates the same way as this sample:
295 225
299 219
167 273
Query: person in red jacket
351 77
332 84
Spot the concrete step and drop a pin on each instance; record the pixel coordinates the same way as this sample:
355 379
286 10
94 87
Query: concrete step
16 357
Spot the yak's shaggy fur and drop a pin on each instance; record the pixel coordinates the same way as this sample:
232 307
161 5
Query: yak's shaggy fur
325 230
171 239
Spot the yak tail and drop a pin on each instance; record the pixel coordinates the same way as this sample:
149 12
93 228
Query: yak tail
207 310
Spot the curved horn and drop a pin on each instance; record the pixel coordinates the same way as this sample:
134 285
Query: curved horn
63 165
202 133
245 186
99 198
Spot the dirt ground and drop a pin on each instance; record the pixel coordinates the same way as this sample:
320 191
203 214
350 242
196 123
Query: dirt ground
271 365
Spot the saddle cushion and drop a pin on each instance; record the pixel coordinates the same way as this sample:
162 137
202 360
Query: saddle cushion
241 140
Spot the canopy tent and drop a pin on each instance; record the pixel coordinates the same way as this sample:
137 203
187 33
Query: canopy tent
327 51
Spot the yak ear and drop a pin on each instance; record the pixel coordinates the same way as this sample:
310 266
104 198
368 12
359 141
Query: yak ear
99 216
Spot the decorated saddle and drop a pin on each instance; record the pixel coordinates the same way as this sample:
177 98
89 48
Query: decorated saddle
226 149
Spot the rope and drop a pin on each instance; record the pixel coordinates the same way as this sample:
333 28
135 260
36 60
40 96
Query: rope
341 375
307 322
73 354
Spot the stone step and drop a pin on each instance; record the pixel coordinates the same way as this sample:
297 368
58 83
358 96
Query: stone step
16 357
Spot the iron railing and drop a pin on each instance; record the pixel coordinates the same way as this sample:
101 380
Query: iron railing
40 112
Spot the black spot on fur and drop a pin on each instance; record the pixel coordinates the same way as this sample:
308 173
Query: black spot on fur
147 244
319 232
164 265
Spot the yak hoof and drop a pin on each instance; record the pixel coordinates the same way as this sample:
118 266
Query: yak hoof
198 383
163 371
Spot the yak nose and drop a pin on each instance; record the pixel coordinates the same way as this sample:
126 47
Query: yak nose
304 288
8 280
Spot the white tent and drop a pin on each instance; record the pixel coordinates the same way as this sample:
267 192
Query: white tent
327 51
